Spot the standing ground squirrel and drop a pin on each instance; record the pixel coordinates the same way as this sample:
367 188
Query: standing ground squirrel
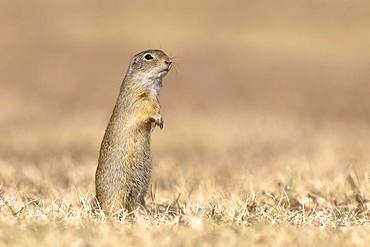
124 169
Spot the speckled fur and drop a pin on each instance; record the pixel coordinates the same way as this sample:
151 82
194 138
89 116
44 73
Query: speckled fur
124 168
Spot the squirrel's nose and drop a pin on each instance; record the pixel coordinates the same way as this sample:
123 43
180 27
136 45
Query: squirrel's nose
168 62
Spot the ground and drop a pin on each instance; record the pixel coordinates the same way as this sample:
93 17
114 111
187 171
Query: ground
259 186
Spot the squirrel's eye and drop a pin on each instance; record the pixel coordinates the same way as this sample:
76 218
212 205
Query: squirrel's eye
148 57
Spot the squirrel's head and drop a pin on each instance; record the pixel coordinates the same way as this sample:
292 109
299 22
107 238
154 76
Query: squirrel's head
149 67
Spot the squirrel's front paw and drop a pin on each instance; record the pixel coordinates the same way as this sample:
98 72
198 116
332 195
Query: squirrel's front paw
158 120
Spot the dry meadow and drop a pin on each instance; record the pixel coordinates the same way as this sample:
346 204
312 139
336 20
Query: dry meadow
267 122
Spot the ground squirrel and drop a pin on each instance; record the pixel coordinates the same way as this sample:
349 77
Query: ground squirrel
124 169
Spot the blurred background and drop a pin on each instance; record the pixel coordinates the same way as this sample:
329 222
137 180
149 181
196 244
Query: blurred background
258 86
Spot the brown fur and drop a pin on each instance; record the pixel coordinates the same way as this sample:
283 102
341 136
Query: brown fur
124 168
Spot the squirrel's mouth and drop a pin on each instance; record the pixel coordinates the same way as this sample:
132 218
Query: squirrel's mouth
164 72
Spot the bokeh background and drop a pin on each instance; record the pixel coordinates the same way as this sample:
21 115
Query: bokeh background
260 88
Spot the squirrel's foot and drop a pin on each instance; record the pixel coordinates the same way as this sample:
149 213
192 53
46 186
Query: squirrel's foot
158 121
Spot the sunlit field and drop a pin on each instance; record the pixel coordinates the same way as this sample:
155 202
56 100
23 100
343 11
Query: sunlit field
267 122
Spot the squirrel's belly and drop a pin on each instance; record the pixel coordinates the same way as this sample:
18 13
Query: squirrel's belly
124 169
137 167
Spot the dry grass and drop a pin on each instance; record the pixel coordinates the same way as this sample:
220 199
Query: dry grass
259 186
266 139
